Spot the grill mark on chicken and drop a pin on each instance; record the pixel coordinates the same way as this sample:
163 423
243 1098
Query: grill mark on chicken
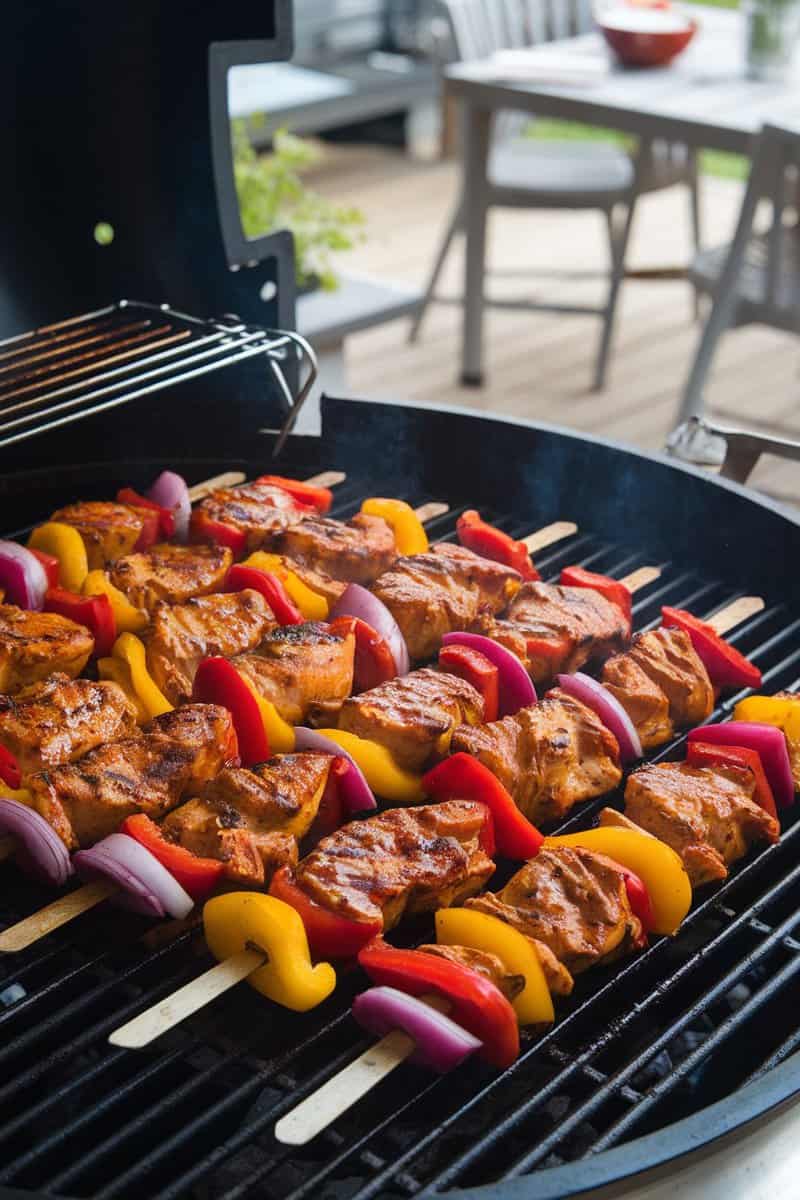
182 635
706 814
34 645
573 904
171 573
413 715
662 685
108 530
549 756
151 772
445 590
257 509
297 666
354 551
402 861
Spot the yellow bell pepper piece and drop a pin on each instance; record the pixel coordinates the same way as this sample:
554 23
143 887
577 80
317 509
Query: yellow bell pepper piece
129 619
251 921
280 734
313 606
381 772
66 544
657 865
127 666
20 794
409 533
773 710
466 927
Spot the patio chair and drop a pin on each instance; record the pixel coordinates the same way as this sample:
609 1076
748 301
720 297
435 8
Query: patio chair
575 175
756 278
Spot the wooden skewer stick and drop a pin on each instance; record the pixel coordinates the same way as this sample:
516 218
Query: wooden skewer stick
157 1019
53 916
641 578
549 535
229 479
735 613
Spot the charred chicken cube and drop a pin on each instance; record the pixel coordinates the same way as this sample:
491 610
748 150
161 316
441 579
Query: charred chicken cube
298 666
257 509
661 683
252 819
552 628
109 530
490 966
181 635
354 551
573 904
403 861
61 719
446 590
549 756
413 715
171 573
151 772
34 645
707 814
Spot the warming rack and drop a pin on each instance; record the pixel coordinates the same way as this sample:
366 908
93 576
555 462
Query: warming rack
75 368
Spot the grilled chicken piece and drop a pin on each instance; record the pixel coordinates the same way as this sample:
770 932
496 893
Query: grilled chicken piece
297 666
61 719
402 861
707 814
257 509
413 715
549 756
574 903
252 819
483 963
662 685
448 589
108 530
171 573
181 635
169 759
34 645
355 551
552 628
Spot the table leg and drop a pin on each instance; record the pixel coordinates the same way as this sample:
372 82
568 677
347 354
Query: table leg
477 129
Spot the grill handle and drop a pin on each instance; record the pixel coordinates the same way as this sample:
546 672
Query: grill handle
742 448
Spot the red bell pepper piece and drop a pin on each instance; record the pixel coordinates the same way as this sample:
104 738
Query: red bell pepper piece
476 1003
203 528
218 682
612 589
166 517
320 498
50 563
725 665
490 542
10 772
703 754
476 669
463 777
95 612
329 934
374 662
149 535
641 905
197 876
331 813
271 588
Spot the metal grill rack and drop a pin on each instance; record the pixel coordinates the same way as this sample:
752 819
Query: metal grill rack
60 373
637 1045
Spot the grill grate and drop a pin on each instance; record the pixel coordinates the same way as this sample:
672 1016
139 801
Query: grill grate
60 373
637 1045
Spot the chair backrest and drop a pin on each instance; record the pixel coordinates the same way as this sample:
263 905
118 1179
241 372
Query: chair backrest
480 27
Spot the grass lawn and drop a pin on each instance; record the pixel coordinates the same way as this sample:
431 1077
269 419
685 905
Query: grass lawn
712 162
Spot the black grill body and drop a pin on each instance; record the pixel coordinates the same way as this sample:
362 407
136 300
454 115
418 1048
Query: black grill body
648 1059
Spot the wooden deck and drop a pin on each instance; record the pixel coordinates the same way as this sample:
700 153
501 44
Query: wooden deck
539 364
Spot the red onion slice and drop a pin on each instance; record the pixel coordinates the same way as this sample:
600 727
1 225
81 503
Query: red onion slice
41 850
608 708
441 1043
516 688
22 576
145 885
767 740
356 792
171 491
356 601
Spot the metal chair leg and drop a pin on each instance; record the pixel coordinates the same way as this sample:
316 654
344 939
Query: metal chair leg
694 212
619 248
455 225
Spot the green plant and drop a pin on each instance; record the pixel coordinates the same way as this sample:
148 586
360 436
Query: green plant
272 195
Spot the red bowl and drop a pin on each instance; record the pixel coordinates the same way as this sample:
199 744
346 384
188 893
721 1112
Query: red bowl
651 49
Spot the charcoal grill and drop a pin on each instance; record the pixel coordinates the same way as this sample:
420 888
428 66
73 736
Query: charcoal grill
649 1059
